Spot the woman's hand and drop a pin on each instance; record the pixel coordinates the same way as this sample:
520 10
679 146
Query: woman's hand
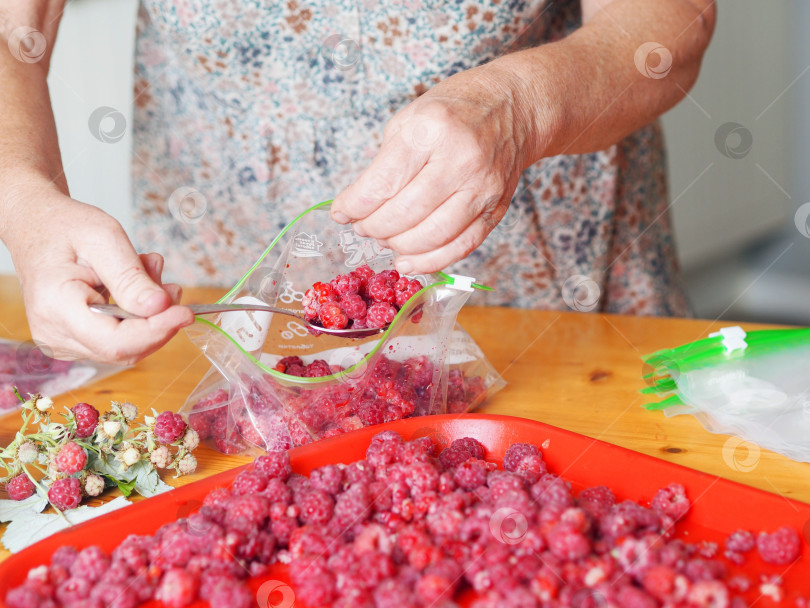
450 160
69 255
446 171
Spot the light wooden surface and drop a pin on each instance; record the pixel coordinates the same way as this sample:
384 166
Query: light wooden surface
581 372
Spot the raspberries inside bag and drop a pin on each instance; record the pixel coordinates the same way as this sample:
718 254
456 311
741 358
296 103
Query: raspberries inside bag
275 385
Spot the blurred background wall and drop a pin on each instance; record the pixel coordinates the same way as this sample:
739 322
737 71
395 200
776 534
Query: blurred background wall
738 149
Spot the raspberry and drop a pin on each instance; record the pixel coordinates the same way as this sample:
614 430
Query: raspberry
380 291
471 474
86 417
274 465
177 588
516 453
741 541
380 314
364 273
332 316
169 427
230 593
22 597
20 487
354 306
671 501
316 506
596 501
64 557
249 482
71 458
405 289
780 547
346 284
317 369
65 494
246 513
91 564
328 478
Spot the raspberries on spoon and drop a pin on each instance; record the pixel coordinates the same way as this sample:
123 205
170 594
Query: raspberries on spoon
359 299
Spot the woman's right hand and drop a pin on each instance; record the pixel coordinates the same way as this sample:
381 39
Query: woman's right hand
69 255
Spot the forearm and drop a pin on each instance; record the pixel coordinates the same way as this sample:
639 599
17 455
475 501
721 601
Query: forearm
29 150
585 93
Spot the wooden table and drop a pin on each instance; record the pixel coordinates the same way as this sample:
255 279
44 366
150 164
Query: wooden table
581 372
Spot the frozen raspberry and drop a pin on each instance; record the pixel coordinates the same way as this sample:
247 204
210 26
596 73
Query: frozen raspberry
231 594
317 369
633 597
91 563
169 427
73 590
64 557
246 513
71 458
364 273
314 584
405 289
23 597
328 478
249 482
780 547
380 314
65 494
86 417
379 290
316 506
274 465
471 474
671 501
741 541
177 588
346 284
552 490
20 487
354 306
516 453
596 501
531 468
332 316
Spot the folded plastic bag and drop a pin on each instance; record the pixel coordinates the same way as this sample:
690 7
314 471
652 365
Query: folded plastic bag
424 363
27 368
753 385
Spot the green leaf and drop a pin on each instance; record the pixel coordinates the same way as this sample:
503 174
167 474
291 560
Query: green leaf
148 482
126 487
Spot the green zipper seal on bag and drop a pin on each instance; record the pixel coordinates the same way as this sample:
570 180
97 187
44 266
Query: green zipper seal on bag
709 352
444 280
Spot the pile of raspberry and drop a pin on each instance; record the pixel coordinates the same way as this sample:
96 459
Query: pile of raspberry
27 370
358 300
407 527
389 391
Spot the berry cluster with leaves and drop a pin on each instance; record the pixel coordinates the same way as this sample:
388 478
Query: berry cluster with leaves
89 451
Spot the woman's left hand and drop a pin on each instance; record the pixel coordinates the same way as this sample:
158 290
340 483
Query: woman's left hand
446 171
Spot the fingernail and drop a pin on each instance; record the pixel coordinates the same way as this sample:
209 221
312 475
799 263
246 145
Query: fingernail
382 243
404 266
358 230
339 217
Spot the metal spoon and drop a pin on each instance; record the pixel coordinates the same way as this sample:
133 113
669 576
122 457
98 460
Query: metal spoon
209 309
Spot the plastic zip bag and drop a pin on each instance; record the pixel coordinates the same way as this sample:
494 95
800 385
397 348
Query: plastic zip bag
24 366
424 363
753 385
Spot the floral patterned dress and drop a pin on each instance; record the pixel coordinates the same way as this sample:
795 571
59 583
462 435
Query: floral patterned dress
248 112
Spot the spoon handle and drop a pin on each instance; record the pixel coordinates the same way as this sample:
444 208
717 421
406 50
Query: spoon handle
198 309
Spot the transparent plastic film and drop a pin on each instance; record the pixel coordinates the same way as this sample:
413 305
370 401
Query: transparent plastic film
275 384
753 385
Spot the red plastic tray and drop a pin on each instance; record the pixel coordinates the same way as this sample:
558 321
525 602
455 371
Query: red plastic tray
719 506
